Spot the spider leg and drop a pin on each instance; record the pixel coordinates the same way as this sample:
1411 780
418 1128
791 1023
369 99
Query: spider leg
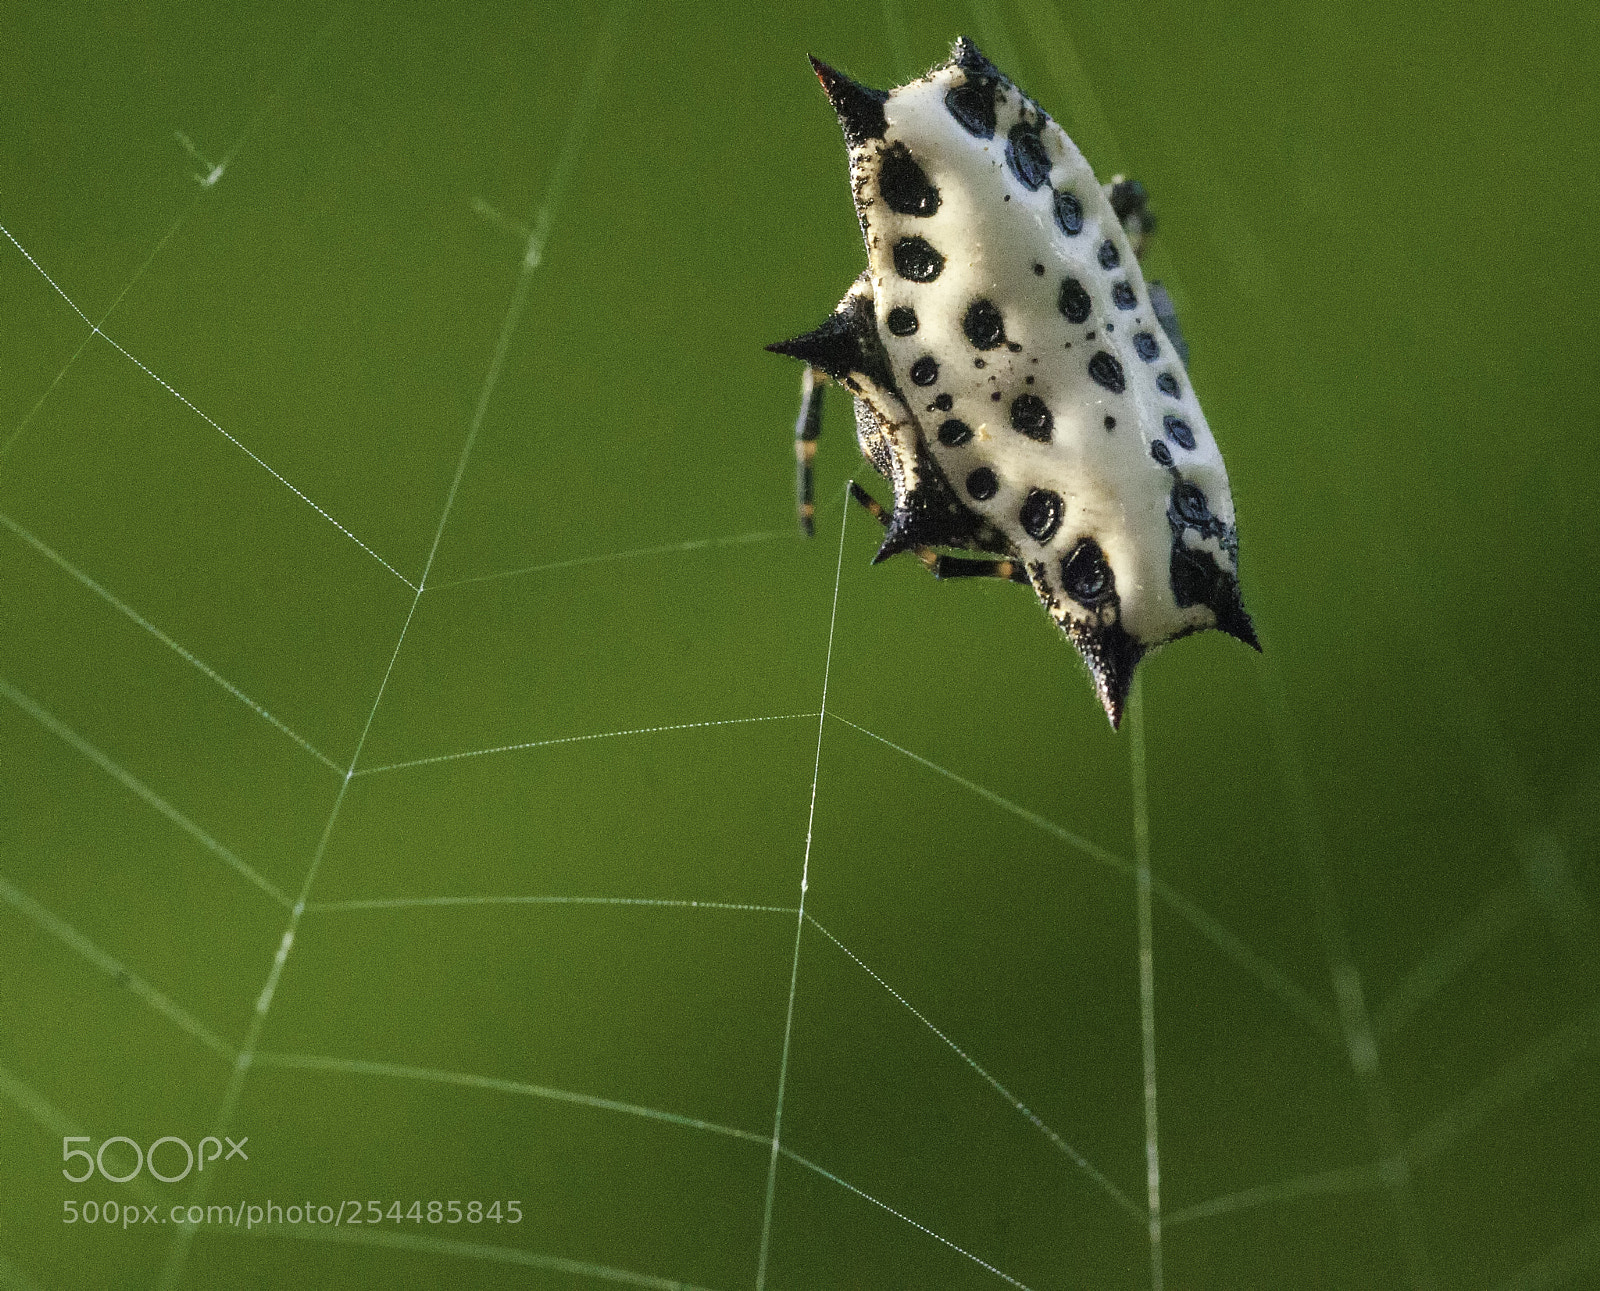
870 503
941 566
1167 316
806 429
962 567
1130 202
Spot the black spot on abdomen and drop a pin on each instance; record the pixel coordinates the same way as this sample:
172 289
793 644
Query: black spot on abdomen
915 258
1074 302
984 326
1041 514
905 185
1069 214
1106 371
1026 154
1032 416
1086 576
1190 503
983 484
972 105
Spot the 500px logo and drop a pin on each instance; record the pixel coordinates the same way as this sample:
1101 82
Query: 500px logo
145 1158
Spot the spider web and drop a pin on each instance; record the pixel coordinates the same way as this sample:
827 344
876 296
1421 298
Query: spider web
414 766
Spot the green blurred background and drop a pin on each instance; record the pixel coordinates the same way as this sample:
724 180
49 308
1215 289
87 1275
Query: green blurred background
1379 227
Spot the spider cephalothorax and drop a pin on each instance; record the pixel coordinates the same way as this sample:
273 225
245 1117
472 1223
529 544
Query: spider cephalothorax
1020 386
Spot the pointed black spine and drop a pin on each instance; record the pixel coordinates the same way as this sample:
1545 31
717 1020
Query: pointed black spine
860 107
846 342
900 536
1197 579
970 59
1232 619
1112 654
929 515
833 347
